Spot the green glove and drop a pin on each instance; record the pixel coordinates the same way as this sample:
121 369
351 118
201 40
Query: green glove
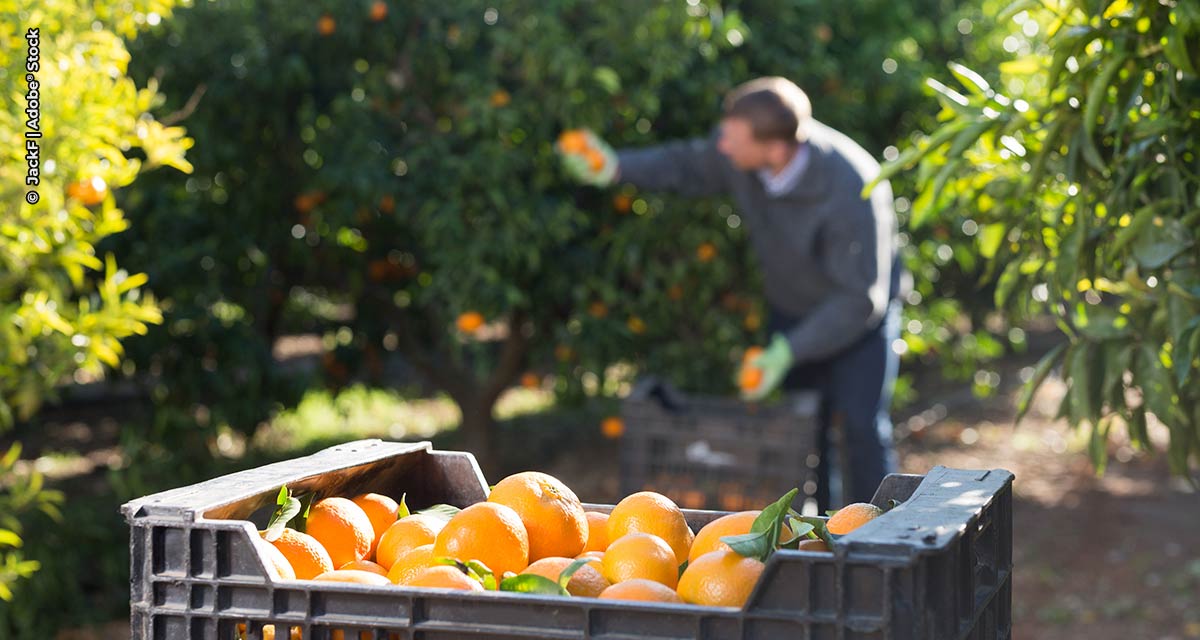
592 162
774 362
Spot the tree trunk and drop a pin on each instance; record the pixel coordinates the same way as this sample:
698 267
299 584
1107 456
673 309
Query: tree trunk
475 433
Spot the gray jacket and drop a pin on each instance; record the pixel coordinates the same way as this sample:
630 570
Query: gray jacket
826 254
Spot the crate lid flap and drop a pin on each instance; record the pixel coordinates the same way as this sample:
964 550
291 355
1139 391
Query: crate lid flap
184 503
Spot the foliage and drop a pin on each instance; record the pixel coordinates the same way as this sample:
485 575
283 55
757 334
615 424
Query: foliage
80 128
1076 164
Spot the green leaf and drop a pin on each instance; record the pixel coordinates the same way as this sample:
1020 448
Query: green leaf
1139 433
1043 368
1164 239
763 538
306 503
607 78
1099 91
1154 382
403 511
1013 9
972 81
283 514
1098 445
1137 223
1099 322
682 568
1184 352
1007 282
9 538
282 497
990 238
11 456
1079 371
530 583
1176 51
569 570
441 511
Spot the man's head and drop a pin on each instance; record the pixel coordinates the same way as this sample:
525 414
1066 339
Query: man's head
763 122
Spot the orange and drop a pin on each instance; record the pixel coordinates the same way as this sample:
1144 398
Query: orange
445 577
598 309
342 527
734 524
470 322
530 381
706 252
675 292
500 98
308 558
595 159
488 532
586 581
573 141
326 25
353 575
750 378
649 512
641 590
752 321
622 203
381 510
410 563
277 564
636 325
641 555
268 632
364 565
88 192
812 544
596 559
751 353
597 530
552 514
719 579
612 427
387 204
404 534
379 11
851 517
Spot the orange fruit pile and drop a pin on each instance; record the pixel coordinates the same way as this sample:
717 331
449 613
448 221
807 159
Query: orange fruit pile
533 529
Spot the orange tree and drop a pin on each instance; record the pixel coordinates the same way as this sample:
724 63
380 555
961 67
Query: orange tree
65 307
390 181
1077 164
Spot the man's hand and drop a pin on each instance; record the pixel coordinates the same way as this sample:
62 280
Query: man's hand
774 362
587 158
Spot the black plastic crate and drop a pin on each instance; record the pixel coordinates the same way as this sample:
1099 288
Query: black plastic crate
938 567
718 453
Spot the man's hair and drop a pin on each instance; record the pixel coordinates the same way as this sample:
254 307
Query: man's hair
775 108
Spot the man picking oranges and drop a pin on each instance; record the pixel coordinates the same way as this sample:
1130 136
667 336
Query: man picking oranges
828 256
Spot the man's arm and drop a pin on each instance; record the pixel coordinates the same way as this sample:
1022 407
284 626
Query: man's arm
689 167
850 249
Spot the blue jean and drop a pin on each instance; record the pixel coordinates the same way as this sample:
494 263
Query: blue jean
856 393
